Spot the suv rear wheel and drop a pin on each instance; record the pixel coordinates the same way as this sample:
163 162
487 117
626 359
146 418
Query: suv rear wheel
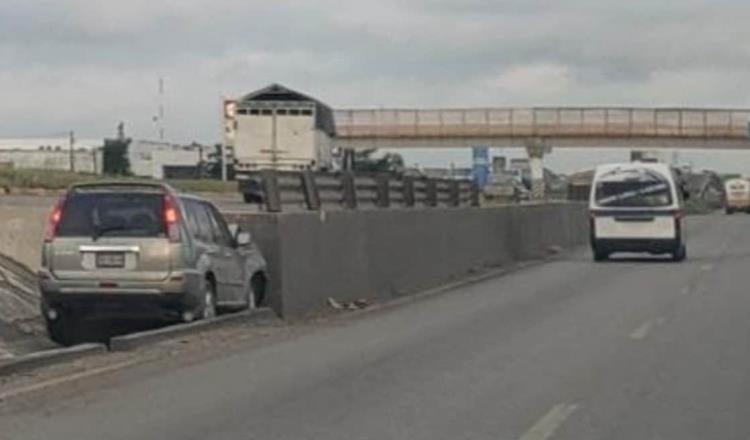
63 329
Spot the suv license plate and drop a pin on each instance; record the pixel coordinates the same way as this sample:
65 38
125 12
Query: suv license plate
110 259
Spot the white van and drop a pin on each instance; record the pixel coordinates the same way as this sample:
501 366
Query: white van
737 195
636 207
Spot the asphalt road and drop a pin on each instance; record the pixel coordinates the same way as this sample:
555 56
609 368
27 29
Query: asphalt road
633 349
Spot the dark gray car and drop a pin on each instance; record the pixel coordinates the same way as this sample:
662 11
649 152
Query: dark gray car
142 251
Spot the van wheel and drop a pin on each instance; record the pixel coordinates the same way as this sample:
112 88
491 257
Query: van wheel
600 255
680 254
208 307
729 211
63 329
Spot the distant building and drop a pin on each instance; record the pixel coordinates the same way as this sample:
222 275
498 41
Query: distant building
52 153
148 158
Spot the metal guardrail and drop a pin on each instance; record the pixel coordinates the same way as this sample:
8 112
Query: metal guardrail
541 122
278 191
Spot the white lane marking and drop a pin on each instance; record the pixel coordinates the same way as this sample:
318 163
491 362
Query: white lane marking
550 423
70 378
707 267
645 328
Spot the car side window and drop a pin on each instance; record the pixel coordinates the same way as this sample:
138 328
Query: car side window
203 223
220 229
190 218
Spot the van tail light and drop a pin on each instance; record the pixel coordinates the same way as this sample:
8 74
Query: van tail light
54 220
171 218
679 214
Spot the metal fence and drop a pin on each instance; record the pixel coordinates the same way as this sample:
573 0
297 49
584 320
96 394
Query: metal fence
279 191
531 122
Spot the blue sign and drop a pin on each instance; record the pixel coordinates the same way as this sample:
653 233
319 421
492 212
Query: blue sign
480 169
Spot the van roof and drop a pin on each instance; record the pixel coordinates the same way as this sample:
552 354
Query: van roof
626 166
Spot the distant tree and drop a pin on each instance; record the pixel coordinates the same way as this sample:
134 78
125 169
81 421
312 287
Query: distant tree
366 161
115 157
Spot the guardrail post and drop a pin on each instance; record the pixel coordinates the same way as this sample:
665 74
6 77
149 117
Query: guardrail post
312 197
408 189
383 191
349 196
272 197
454 193
474 194
431 198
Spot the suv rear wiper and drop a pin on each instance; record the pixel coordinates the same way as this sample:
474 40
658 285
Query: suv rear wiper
99 232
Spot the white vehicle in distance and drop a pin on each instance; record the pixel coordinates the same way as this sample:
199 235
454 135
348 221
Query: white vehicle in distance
737 195
637 207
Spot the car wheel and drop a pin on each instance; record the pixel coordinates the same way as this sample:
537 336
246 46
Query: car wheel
256 292
208 308
600 255
680 254
729 211
63 329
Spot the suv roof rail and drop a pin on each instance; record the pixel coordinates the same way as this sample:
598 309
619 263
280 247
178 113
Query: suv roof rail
123 184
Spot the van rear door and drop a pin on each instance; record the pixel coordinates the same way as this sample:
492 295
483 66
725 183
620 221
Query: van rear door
636 204
117 235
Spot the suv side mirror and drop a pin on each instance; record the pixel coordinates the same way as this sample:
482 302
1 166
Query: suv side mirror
234 229
243 239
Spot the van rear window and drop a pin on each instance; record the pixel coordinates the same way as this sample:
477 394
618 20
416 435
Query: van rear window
638 189
113 214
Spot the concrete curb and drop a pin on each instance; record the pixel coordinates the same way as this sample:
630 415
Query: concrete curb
32 361
134 340
465 281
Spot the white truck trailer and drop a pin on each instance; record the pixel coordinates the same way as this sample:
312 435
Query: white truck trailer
278 128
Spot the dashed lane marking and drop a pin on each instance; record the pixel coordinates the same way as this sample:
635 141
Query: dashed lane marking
546 427
644 329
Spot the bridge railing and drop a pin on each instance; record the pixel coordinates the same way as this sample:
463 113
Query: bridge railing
279 191
552 122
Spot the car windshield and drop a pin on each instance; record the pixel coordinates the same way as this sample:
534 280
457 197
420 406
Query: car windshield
112 214
633 188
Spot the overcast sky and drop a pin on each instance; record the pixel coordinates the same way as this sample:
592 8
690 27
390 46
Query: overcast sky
87 64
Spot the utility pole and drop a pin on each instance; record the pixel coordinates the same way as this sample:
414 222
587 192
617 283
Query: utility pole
72 142
159 118
224 161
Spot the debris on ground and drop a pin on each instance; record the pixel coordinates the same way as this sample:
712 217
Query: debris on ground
348 305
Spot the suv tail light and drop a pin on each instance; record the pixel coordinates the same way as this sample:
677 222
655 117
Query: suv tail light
54 219
171 218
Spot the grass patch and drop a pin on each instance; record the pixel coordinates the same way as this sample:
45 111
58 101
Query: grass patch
58 180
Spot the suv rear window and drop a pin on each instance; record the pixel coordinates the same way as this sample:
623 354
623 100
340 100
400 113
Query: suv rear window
113 214
634 188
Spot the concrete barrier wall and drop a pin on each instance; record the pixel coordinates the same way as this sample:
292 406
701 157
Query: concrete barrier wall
22 230
348 255
384 254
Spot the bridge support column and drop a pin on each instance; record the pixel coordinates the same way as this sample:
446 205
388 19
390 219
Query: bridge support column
536 149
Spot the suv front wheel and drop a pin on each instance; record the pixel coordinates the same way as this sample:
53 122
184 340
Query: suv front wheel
208 306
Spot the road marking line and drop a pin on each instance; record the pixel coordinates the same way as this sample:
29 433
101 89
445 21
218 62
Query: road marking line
707 267
550 423
642 331
73 377
645 328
